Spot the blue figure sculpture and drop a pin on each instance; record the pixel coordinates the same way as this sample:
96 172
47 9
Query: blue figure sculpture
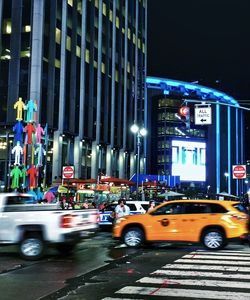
40 152
18 129
46 136
31 108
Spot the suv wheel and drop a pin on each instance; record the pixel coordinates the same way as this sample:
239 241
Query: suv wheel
32 247
133 237
213 239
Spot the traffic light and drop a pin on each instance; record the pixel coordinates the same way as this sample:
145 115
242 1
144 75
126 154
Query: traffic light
184 113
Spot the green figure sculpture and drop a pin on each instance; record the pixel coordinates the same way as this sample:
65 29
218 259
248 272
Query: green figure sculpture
15 174
24 170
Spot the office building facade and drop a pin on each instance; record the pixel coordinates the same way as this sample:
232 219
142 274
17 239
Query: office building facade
84 63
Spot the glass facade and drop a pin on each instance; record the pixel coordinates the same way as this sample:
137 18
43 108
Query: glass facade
83 61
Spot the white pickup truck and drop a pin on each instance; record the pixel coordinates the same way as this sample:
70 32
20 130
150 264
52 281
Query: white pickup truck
34 226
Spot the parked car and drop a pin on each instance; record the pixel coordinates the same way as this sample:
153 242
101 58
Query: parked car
211 222
136 207
33 226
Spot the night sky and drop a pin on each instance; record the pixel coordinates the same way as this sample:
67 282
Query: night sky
201 40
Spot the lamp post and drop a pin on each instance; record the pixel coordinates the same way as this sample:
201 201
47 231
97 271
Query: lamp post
226 175
140 132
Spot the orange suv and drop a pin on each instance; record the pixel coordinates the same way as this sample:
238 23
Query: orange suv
211 222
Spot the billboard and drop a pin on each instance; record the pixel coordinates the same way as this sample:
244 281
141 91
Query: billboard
189 160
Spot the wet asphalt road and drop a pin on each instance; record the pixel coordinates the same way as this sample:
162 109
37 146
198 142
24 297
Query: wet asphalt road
99 267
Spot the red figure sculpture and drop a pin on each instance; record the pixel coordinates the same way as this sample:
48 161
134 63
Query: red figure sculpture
29 129
32 173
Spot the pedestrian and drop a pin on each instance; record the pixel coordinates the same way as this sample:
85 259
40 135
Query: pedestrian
121 209
151 205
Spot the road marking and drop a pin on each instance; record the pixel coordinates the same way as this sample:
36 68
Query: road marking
228 257
110 298
199 282
184 293
182 273
215 262
209 268
221 253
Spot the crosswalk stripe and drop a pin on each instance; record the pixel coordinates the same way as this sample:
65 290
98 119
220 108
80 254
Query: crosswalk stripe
209 268
110 298
184 293
205 283
229 257
220 253
224 250
215 262
201 274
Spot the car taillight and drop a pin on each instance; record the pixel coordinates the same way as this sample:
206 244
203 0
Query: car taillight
97 217
67 221
239 217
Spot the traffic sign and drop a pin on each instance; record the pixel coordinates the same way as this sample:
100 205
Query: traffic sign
68 172
239 172
203 115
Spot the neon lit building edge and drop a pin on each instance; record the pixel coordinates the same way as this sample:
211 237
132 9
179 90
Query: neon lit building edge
187 88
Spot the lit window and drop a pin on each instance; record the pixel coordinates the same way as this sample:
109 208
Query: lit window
129 33
96 3
143 47
128 67
103 68
68 43
123 30
95 64
110 15
27 28
87 56
104 9
57 63
134 39
116 76
25 53
58 36
139 43
78 51
117 22
7 26
70 2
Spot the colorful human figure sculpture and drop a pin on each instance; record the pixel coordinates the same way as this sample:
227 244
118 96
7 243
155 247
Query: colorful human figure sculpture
18 129
19 106
40 152
39 133
46 136
17 150
39 194
15 175
29 129
30 107
24 181
32 173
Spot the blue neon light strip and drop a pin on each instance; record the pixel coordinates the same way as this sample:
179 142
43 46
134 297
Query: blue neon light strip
236 145
187 88
229 148
217 147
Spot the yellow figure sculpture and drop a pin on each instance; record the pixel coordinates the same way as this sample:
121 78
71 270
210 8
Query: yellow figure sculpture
19 106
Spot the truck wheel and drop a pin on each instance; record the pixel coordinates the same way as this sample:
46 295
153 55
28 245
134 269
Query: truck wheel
213 239
133 237
32 247
65 249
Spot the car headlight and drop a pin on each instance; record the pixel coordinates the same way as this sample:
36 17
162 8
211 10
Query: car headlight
119 220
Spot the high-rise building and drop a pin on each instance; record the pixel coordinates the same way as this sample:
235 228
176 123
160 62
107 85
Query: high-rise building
84 63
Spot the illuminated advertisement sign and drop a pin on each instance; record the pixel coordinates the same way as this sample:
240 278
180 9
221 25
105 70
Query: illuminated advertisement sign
189 160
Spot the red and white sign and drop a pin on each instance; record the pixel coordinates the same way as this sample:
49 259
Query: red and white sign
184 111
68 172
239 172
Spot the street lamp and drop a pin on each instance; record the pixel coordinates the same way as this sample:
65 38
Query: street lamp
140 132
226 175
